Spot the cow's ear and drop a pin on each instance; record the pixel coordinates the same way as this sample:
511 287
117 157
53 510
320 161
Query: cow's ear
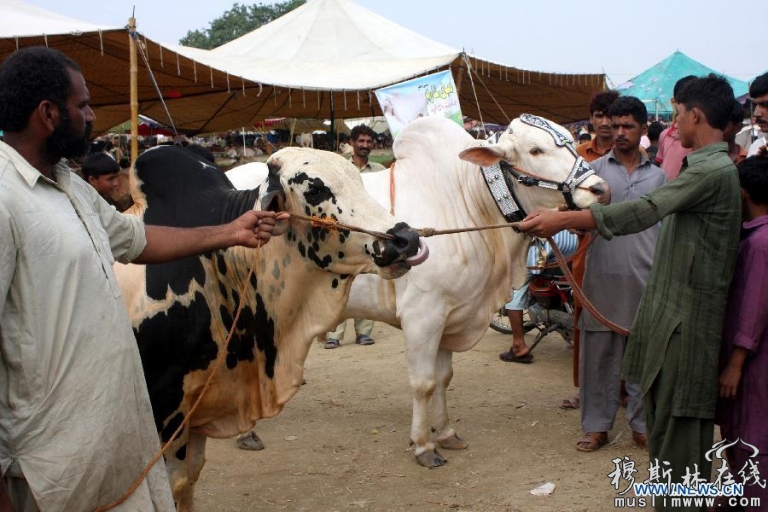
485 156
274 196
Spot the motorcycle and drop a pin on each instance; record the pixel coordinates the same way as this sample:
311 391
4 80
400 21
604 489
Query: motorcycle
550 308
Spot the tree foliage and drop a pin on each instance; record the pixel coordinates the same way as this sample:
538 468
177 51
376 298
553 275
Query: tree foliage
237 22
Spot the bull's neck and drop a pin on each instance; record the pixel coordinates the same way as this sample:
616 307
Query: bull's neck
298 298
237 202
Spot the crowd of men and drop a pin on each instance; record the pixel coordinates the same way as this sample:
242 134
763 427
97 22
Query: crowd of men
680 261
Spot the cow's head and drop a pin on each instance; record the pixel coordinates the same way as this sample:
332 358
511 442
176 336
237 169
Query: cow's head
536 147
321 184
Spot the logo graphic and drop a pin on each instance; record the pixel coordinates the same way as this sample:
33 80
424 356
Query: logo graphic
690 489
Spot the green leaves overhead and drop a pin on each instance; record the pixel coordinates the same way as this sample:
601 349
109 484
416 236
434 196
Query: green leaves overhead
237 22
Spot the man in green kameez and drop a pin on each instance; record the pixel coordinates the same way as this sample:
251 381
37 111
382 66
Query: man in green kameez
673 345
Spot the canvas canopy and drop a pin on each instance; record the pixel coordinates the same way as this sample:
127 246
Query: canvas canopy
332 54
321 60
200 98
655 85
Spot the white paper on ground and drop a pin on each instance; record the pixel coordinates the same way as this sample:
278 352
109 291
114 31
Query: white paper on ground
543 490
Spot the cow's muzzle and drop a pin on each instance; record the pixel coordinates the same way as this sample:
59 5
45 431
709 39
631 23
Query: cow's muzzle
407 249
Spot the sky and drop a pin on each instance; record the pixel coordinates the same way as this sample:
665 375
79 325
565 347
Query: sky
615 37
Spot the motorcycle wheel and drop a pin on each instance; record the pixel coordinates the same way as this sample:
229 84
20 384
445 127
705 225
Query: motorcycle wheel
500 322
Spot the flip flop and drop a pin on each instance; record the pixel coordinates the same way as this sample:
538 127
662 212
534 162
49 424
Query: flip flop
510 357
570 403
592 441
331 343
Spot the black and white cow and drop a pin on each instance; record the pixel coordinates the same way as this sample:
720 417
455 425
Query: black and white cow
182 312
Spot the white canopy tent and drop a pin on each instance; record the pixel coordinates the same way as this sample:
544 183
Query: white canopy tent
200 98
321 60
330 45
20 19
332 54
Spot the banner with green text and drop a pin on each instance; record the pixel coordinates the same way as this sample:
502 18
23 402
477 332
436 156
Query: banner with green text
431 95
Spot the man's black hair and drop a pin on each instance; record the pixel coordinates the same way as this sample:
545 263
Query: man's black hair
602 101
737 113
759 87
654 130
753 175
28 77
713 95
98 164
629 106
679 86
362 129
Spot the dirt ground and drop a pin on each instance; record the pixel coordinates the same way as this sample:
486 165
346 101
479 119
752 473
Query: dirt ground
341 444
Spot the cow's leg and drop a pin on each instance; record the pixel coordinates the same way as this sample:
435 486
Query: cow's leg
421 356
176 464
195 463
446 435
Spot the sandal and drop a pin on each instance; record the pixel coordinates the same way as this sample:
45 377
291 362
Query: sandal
362 339
592 441
640 439
331 343
511 357
571 403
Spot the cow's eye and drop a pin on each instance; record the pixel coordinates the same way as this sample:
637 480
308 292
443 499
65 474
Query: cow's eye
536 151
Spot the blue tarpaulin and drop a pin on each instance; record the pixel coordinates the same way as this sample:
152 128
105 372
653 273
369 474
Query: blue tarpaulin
654 85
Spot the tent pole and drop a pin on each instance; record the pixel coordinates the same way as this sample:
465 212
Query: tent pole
134 72
293 131
332 135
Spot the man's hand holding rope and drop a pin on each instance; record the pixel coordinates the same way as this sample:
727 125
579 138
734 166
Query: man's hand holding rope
545 223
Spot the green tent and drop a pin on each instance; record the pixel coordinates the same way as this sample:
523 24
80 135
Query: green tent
654 85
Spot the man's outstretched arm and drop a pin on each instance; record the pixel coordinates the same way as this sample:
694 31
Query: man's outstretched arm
252 229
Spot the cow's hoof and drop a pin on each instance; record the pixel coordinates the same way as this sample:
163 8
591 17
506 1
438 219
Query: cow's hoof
453 442
431 459
250 441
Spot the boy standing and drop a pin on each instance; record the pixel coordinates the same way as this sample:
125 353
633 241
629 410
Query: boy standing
744 351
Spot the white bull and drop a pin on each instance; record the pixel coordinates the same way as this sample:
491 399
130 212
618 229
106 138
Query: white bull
445 306
304 140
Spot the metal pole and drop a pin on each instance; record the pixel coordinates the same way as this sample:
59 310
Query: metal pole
332 133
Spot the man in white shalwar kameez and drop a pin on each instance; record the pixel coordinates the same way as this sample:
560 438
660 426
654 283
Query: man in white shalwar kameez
76 424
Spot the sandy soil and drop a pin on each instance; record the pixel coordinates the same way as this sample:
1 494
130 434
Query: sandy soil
342 443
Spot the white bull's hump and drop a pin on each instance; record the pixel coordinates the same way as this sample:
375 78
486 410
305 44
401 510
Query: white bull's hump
248 176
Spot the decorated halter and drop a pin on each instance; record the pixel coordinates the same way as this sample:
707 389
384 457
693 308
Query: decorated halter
503 191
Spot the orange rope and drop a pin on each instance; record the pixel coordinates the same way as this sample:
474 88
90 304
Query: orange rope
580 294
427 232
579 253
